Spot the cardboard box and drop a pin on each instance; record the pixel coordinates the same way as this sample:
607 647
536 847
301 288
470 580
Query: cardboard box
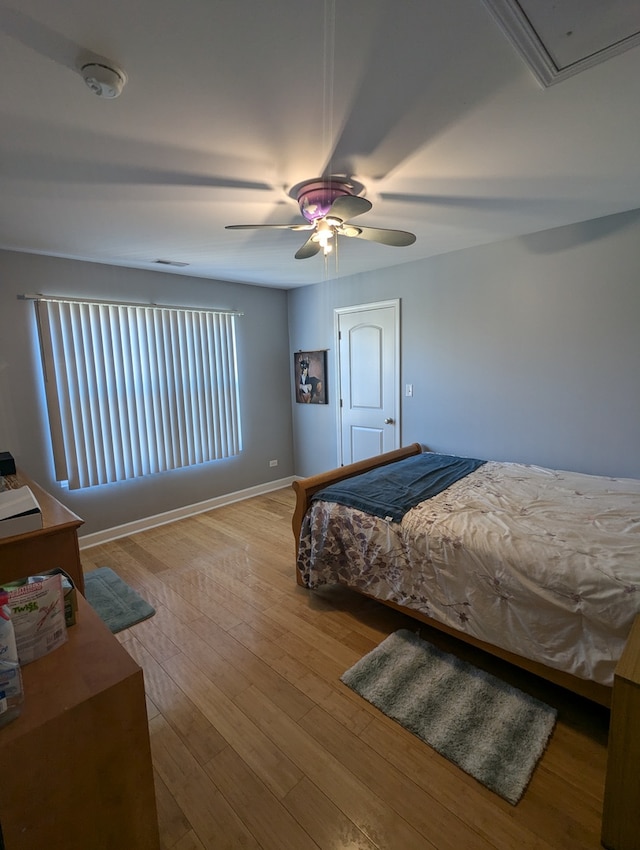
19 512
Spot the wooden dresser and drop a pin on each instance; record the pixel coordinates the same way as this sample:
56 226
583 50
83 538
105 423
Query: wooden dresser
53 545
77 770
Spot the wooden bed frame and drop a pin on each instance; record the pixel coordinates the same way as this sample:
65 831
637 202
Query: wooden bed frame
621 816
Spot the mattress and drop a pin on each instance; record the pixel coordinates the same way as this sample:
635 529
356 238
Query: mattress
542 563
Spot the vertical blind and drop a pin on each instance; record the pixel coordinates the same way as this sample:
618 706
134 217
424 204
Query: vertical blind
134 390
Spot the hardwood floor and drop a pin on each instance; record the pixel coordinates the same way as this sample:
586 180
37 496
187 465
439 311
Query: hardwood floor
257 744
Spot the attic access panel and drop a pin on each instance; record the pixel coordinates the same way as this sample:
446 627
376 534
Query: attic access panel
559 38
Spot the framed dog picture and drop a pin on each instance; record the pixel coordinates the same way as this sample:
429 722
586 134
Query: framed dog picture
310 370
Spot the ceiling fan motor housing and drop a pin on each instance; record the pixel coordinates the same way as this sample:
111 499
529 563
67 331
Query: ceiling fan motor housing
316 196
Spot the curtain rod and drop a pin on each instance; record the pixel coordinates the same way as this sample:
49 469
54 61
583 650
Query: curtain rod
40 297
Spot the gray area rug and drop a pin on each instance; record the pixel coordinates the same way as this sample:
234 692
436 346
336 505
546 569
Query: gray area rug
117 604
490 729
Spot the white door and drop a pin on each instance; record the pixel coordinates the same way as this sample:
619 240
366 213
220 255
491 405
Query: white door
368 380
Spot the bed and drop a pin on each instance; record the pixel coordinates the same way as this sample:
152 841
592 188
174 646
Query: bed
539 567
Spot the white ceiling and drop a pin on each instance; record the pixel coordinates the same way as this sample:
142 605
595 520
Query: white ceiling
230 103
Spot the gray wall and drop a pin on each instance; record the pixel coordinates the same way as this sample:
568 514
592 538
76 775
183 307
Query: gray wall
527 350
265 393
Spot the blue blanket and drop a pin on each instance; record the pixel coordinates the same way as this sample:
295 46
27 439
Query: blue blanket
390 491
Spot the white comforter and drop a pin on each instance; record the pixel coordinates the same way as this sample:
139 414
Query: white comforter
542 563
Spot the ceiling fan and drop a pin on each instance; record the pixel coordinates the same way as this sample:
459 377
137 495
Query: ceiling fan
328 206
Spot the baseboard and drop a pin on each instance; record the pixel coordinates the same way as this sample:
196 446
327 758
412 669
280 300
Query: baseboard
87 540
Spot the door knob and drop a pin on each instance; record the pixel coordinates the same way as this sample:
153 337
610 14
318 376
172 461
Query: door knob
388 421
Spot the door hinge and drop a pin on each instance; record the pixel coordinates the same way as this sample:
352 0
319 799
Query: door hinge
340 402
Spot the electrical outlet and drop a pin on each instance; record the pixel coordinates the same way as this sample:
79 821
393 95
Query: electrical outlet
273 463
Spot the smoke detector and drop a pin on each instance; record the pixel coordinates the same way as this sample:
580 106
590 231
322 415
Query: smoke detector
103 80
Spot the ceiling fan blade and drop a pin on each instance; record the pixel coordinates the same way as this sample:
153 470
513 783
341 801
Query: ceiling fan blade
309 249
349 206
395 238
269 226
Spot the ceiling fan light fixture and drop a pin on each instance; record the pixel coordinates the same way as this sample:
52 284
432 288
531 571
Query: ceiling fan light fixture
323 235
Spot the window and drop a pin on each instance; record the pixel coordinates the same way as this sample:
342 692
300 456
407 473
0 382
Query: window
133 390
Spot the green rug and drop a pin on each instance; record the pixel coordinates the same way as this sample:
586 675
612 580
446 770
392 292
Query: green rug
117 604
491 730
